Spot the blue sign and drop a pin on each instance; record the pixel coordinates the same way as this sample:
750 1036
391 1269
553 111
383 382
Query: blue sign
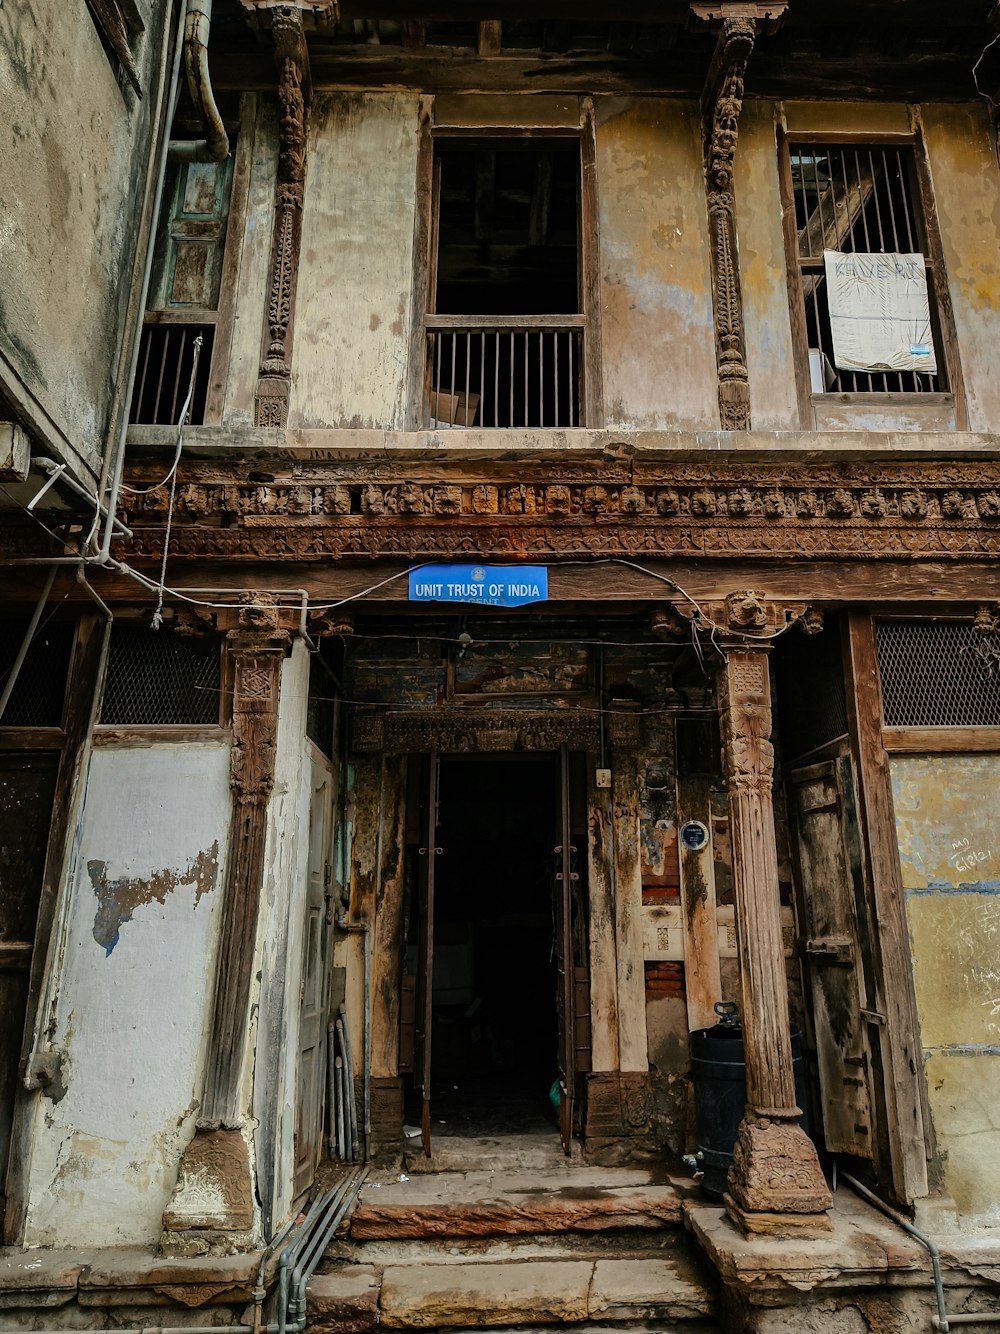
485 585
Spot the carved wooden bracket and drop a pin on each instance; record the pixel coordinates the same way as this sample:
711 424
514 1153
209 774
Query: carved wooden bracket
294 93
317 14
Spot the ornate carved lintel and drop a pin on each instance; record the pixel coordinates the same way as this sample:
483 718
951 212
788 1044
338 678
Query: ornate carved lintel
470 730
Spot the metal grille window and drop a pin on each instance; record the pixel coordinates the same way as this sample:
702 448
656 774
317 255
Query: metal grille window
166 354
938 674
856 199
159 678
38 695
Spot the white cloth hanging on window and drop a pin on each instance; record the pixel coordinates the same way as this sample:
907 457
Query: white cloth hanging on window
879 313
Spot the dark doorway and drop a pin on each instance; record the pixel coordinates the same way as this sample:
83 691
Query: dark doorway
495 1025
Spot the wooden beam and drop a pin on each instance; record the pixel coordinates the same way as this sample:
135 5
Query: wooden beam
489 37
632 1046
414 33
941 740
601 926
388 944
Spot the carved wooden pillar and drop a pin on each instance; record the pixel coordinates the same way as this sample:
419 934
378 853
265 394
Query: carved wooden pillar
722 101
212 1207
294 89
775 1183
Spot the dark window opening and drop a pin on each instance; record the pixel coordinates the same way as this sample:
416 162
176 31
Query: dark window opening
811 696
163 375
38 696
505 336
160 678
857 199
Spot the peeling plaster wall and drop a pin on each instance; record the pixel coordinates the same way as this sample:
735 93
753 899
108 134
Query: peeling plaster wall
656 287
963 165
352 315
280 942
73 166
947 822
133 995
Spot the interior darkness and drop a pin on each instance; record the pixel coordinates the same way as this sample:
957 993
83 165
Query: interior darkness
507 234
495 1027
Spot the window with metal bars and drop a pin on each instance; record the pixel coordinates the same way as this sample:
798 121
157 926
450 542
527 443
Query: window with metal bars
938 674
858 200
159 678
504 333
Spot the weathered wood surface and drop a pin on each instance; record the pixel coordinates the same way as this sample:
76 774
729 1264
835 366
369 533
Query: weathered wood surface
905 1092
702 974
628 912
601 923
387 943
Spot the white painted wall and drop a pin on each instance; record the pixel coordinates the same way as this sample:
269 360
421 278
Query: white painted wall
280 943
132 1013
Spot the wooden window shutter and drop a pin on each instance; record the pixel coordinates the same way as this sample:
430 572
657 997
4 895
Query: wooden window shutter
110 19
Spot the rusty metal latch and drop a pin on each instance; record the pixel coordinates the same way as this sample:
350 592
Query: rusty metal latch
831 949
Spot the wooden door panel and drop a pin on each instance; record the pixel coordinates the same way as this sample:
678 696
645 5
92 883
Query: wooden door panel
833 958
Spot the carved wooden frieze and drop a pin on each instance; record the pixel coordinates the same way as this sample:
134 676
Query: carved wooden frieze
472 730
851 510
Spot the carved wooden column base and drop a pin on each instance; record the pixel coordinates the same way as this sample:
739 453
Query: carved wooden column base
211 1210
618 1121
776 1172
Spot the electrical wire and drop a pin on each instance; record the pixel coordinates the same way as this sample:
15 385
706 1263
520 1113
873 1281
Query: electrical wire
157 620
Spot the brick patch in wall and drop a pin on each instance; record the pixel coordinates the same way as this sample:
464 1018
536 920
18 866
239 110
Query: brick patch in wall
664 978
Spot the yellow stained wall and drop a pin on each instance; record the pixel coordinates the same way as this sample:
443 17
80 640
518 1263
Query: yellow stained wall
656 290
352 317
948 827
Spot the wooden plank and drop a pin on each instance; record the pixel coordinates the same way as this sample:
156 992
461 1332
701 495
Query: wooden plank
507 113
702 973
387 943
489 37
941 740
424 258
414 33
895 997
592 395
601 926
231 260
627 862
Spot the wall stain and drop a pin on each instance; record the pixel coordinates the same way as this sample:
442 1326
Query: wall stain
117 900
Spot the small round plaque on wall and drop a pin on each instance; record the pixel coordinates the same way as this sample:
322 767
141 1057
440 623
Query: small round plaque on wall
694 836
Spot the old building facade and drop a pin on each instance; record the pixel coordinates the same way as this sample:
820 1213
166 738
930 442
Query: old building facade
570 604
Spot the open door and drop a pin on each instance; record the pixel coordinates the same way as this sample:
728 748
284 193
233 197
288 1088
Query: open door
832 886
564 852
313 994
428 854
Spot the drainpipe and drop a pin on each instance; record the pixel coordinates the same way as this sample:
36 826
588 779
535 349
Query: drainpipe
215 146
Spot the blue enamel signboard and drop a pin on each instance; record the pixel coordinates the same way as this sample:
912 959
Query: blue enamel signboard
485 585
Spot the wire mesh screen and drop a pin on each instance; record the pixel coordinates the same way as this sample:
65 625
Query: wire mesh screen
163 374
159 678
37 698
938 674
811 695
854 198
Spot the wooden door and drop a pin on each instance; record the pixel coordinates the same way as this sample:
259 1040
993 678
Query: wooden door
27 788
428 853
832 885
565 876
313 993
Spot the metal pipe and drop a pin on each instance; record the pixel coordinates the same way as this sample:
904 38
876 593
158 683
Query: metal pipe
345 1043
29 635
215 146
941 1320
58 472
81 578
331 1087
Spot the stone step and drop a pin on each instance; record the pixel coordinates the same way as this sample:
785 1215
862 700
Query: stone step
633 1243
483 1204
508 1153
608 1292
